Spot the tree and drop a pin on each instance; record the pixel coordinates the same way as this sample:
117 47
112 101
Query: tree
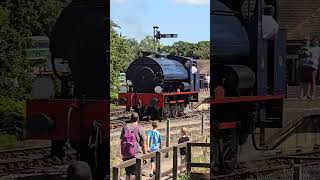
200 50
14 79
147 44
122 52
18 21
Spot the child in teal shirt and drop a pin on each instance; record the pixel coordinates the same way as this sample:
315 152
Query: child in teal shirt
154 144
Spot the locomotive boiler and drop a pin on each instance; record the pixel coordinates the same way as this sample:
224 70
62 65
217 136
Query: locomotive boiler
250 71
160 86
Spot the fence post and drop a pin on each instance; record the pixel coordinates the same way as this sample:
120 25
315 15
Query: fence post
158 166
139 169
115 173
188 157
297 172
202 124
168 137
262 128
175 163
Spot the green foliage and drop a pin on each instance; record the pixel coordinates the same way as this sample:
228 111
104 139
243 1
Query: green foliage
12 116
147 44
13 69
19 20
200 50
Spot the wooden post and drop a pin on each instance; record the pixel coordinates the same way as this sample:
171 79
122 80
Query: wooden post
175 163
115 173
262 136
262 130
188 157
168 137
297 172
202 124
158 166
139 169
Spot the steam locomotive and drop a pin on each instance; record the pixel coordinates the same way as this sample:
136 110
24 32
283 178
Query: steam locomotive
78 116
250 71
160 86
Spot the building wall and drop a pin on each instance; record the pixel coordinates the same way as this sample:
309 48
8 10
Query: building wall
299 17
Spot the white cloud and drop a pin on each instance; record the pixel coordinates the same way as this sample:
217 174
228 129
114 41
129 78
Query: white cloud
195 2
119 1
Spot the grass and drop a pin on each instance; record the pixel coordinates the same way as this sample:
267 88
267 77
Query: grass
184 177
113 106
115 159
8 141
200 155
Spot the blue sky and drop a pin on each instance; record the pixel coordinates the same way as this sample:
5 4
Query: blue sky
190 19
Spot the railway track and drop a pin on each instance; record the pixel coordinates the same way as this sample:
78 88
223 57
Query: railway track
16 161
278 167
120 120
118 112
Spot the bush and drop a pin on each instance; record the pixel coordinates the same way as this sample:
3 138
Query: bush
113 97
12 116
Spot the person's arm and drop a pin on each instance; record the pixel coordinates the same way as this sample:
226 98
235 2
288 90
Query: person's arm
148 142
160 139
143 142
121 136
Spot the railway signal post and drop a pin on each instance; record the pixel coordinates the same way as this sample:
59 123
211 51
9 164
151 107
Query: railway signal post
157 36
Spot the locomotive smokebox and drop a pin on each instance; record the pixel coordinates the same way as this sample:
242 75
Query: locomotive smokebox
147 72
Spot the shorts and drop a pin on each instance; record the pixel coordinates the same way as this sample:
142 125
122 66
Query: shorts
130 170
306 74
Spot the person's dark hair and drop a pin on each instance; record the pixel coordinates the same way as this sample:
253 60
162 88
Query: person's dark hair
154 124
134 117
269 10
79 171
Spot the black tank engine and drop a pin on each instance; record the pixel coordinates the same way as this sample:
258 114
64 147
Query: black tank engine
160 86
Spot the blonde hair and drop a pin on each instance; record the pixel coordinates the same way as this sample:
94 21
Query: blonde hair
184 131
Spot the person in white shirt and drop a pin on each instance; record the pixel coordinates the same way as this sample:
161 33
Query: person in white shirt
194 69
207 84
304 68
315 57
270 27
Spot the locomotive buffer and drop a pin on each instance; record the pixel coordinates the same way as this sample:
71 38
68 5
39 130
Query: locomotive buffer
157 36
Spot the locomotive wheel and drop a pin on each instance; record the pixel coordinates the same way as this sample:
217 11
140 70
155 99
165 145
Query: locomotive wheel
57 149
231 149
174 110
166 111
226 151
180 110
